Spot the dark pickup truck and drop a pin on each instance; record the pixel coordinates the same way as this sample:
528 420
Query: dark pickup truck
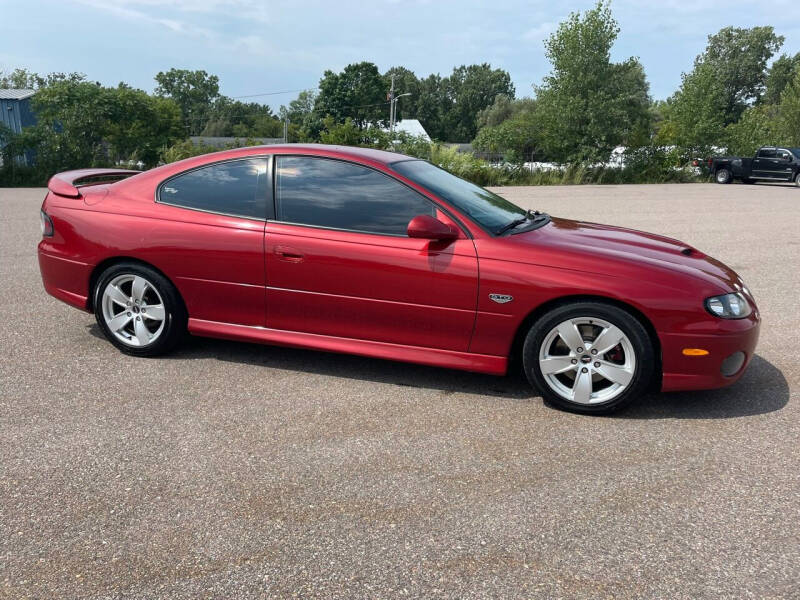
771 163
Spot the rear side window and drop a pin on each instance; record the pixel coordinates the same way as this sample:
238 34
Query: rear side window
330 193
766 153
237 187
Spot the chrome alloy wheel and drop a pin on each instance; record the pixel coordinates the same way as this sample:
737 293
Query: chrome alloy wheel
133 310
587 360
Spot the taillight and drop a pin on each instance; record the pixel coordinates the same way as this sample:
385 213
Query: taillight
47 224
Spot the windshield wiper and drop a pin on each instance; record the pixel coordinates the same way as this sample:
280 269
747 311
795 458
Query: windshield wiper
529 215
511 225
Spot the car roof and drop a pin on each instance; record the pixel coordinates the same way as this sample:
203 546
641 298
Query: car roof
367 155
381 156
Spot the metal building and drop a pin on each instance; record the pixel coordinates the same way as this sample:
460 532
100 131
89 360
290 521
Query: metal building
16 113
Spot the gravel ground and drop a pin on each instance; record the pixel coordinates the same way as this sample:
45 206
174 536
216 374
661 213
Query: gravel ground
230 470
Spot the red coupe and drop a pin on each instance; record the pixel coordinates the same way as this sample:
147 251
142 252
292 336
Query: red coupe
380 254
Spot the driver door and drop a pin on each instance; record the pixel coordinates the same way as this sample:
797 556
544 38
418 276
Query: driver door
339 261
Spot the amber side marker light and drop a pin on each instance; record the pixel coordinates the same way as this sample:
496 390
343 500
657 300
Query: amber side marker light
695 352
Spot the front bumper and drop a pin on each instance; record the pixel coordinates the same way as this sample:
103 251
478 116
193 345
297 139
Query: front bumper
713 370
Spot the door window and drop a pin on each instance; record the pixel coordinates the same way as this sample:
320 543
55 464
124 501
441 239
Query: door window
766 153
237 187
340 195
784 155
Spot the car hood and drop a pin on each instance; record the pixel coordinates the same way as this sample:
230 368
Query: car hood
620 252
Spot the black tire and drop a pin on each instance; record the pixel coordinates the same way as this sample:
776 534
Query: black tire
723 176
637 335
175 317
797 179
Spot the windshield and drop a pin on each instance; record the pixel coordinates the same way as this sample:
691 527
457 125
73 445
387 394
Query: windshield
489 210
795 151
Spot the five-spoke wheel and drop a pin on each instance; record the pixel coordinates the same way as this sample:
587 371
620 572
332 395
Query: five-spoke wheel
589 357
138 309
587 360
133 310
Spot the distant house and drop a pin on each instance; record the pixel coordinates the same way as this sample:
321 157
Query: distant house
16 113
412 127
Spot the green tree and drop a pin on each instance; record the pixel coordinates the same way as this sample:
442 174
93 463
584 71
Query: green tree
509 127
358 92
139 126
588 105
194 92
405 82
432 105
779 76
71 120
448 107
229 117
25 79
738 58
300 107
470 89
343 134
788 120
300 113
757 125
503 108
694 117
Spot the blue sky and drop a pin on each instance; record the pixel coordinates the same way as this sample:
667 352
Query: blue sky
258 46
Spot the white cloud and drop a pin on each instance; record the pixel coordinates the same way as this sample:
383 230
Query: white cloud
540 32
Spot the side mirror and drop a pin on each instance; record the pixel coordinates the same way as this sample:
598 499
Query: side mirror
426 227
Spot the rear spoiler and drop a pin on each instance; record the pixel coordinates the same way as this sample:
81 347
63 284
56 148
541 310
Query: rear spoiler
66 184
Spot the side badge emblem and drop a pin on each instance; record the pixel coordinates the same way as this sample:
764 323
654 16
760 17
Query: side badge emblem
501 298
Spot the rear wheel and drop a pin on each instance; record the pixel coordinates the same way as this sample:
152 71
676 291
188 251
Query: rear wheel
723 176
138 309
589 357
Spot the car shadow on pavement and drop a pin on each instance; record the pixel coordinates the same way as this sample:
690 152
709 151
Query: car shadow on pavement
762 389
448 381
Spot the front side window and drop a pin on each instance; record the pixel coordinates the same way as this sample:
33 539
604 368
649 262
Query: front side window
339 195
237 187
784 154
489 210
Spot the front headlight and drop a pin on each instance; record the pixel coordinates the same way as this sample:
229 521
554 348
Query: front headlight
729 306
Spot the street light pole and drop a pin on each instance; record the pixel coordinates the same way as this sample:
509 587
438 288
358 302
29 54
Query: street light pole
391 107
394 109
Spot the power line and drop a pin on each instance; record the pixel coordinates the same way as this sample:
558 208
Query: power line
242 115
271 93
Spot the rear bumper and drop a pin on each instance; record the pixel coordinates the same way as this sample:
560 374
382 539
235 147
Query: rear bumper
65 279
681 372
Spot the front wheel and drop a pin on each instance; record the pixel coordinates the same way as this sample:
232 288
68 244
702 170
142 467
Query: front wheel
797 179
139 310
589 357
723 176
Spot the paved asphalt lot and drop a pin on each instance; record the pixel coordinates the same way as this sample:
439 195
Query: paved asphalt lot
240 471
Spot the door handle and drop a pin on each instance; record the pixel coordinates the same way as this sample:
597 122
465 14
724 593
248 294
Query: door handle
289 254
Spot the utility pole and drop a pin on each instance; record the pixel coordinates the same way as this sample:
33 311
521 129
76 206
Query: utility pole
286 130
391 107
